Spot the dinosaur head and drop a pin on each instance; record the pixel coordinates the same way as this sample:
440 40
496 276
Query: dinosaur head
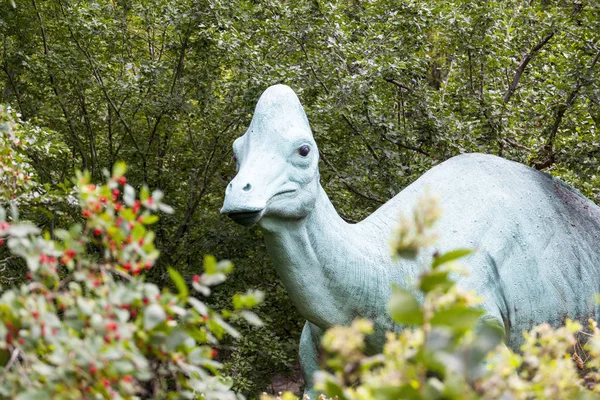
277 162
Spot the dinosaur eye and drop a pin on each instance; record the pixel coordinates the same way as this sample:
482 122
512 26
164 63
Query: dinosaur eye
304 150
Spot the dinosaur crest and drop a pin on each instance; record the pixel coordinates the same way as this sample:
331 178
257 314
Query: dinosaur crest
278 113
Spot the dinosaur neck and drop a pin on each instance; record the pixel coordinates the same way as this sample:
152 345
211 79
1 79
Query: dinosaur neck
324 262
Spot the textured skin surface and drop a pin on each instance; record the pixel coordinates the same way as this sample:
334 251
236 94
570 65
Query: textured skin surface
537 240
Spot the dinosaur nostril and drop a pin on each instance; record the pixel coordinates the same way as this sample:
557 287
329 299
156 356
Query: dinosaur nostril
247 188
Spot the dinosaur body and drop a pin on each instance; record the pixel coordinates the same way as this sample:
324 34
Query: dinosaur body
537 257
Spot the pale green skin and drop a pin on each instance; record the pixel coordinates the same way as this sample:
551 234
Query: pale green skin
537 241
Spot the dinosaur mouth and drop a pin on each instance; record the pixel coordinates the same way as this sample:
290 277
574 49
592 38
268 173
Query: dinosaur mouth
284 192
246 218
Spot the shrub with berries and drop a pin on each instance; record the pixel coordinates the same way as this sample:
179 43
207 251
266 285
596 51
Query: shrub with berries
86 324
15 171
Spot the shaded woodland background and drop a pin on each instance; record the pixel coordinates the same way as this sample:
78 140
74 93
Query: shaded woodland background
391 88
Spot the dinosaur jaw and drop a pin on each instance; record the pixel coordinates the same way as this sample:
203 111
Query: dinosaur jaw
246 218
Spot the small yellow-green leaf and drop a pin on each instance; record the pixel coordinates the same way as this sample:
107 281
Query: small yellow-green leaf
149 219
210 264
144 193
449 256
119 169
404 308
179 282
457 318
435 280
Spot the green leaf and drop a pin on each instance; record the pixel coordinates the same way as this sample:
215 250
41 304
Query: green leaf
334 390
153 316
138 231
435 280
449 256
119 169
144 193
179 283
210 264
176 338
457 318
150 219
404 308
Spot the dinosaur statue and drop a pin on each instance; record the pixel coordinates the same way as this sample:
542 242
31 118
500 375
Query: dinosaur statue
537 239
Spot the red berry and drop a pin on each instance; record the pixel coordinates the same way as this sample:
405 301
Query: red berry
35 314
136 206
148 265
205 318
1 241
145 301
96 282
127 378
97 231
54 331
29 276
92 369
70 253
21 341
150 200
127 267
214 353
116 192
122 180
196 278
111 326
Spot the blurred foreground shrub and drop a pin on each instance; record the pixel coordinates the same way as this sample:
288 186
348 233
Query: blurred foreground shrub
87 325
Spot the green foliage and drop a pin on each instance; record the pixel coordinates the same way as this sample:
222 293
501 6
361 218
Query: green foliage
391 89
88 324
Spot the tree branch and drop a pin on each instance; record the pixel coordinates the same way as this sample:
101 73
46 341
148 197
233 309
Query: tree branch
398 84
528 57
558 117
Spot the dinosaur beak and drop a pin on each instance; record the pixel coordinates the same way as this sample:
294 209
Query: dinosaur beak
243 201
